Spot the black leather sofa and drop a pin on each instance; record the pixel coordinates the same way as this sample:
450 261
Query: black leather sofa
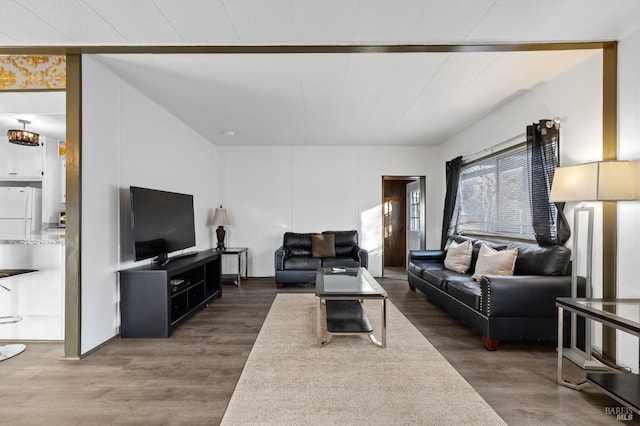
295 264
517 308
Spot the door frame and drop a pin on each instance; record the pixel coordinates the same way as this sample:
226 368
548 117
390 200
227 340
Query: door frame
384 178
423 215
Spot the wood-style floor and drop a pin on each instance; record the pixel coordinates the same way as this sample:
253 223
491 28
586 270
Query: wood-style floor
189 378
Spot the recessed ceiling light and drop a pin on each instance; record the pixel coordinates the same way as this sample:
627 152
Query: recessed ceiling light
229 133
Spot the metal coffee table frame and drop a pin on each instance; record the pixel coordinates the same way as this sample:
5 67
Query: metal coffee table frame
348 284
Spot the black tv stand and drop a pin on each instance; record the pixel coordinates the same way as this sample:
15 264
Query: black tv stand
156 298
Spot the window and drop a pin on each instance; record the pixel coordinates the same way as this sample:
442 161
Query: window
493 197
414 210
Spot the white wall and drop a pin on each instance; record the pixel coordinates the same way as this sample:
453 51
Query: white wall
272 190
100 206
575 97
375 162
129 140
160 152
629 212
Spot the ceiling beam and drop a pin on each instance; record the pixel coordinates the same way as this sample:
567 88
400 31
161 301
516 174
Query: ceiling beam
303 49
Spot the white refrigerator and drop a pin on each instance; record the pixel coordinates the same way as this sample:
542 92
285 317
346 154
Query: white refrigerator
20 212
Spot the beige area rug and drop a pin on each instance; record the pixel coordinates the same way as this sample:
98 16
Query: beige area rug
288 380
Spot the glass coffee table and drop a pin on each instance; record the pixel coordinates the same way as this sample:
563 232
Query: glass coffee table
341 291
620 314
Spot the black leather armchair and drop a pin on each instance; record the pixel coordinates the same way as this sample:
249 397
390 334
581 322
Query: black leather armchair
294 262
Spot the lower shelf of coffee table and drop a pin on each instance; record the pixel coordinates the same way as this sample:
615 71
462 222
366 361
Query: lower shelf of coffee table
347 316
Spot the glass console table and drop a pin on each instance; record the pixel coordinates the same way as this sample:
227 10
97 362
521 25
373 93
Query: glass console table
621 314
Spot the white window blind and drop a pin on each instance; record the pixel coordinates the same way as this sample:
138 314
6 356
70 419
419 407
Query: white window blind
494 195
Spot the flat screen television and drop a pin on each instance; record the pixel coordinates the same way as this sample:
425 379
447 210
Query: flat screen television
161 223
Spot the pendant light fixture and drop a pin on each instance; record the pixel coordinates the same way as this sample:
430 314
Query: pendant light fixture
24 137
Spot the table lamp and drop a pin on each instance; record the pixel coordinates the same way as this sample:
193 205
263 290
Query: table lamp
220 220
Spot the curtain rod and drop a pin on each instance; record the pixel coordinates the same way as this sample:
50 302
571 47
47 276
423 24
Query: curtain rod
507 143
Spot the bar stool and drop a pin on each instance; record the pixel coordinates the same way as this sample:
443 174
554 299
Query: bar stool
12 349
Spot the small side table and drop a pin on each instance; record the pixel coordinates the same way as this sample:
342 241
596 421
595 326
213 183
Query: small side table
239 251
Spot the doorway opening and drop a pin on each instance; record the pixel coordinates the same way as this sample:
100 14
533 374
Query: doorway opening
403 222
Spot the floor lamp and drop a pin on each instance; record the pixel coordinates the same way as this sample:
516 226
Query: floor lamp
598 181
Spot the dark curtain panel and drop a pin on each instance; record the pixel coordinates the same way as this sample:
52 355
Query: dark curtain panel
453 179
549 223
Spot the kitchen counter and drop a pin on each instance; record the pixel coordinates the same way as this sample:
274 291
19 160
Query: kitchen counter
8 273
33 241
47 237
38 296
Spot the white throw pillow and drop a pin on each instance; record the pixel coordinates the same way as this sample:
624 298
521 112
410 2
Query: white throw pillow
494 262
458 258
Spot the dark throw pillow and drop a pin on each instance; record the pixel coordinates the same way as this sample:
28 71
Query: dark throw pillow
323 245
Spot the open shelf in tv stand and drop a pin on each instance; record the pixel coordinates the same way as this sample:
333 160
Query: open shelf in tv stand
151 307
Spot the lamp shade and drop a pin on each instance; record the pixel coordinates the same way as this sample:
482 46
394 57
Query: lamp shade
617 181
598 181
574 183
220 217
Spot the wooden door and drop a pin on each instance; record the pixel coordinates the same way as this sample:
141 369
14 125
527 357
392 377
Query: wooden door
394 231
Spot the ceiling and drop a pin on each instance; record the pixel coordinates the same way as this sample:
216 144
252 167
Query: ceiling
312 99
336 99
